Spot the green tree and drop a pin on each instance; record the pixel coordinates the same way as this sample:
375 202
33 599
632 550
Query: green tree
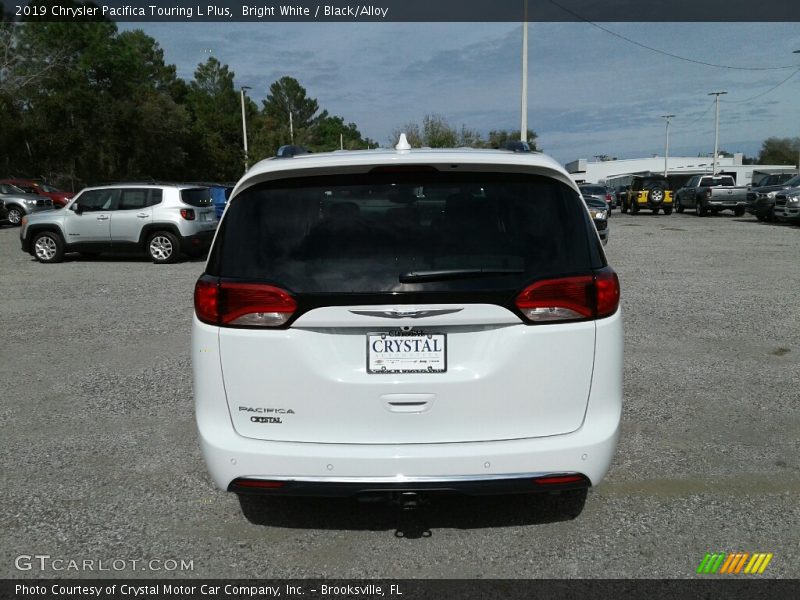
327 132
779 151
216 130
286 96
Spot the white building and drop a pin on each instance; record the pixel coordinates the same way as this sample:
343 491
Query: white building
680 168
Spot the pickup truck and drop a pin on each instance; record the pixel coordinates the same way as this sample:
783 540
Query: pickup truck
711 193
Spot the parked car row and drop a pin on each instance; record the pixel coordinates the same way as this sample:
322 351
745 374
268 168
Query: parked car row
761 200
774 198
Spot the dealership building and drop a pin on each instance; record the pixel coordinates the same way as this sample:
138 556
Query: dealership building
680 168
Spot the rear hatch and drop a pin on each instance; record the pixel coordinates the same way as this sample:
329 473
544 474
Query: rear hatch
402 326
200 199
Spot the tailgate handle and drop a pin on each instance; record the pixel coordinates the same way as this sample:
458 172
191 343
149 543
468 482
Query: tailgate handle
408 403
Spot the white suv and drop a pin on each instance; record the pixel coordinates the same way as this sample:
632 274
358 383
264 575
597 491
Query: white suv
407 320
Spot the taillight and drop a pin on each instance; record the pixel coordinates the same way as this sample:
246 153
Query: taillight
571 298
709 193
242 304
608 198
188 214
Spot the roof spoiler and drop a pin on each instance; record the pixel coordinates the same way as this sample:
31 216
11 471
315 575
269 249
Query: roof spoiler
289 151
517 146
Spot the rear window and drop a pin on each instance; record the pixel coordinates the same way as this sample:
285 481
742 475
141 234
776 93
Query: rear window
717 181
594 190
360 233
196 196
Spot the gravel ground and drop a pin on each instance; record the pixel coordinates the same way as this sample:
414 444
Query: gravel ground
100 459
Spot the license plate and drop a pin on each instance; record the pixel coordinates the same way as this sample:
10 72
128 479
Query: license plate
206 216
406 352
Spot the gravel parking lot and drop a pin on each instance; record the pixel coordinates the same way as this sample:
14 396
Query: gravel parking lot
100 459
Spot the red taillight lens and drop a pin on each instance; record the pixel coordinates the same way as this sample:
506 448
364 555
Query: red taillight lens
606 286
243 304
570 298
608 198
255 305
188 214
206 300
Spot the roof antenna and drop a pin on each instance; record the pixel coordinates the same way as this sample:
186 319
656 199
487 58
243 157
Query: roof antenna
402 143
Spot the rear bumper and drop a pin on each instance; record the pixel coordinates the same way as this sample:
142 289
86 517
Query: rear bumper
477 467
198 241
726 204
475 486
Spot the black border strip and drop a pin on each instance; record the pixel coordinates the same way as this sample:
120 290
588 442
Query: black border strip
542 11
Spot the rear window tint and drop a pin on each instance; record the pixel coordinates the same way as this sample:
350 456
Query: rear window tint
357 234
196 196
594 190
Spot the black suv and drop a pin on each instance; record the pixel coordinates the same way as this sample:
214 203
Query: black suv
647 191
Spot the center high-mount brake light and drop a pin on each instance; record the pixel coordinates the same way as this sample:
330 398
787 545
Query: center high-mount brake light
241 304
575 298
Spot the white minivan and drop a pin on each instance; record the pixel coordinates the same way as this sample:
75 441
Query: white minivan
407 321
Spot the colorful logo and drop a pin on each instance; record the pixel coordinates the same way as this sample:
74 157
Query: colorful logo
735 563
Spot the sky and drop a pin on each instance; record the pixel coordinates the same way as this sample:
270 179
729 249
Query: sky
590 92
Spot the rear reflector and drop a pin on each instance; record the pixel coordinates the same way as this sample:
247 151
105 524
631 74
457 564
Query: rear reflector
258 483
561 480
242 304
571 298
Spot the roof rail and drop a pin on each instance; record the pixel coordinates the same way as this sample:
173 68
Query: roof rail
290 150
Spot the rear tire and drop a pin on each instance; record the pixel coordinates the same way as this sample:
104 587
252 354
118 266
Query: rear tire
655 211
761 218
668 211
163 247
699 209
678 205
738 212
623 208
634 208
48 247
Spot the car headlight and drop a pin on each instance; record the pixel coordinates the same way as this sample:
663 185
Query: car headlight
30 202
600 214
771 194
793 200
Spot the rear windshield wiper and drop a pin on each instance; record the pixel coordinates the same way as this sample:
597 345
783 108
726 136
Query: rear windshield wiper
447 274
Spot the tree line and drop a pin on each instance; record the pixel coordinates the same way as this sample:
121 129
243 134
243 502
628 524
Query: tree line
84 103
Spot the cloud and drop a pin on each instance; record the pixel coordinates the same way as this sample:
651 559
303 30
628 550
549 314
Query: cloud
589 92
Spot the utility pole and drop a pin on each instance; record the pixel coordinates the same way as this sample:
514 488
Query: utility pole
291 127
523 127
666 144
716 129
798 152
244 127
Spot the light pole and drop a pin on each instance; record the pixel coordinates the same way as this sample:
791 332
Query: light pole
666 144
244 126
716 130
798 152
523 127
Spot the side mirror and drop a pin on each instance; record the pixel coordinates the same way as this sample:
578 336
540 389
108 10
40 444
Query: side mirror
77 208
